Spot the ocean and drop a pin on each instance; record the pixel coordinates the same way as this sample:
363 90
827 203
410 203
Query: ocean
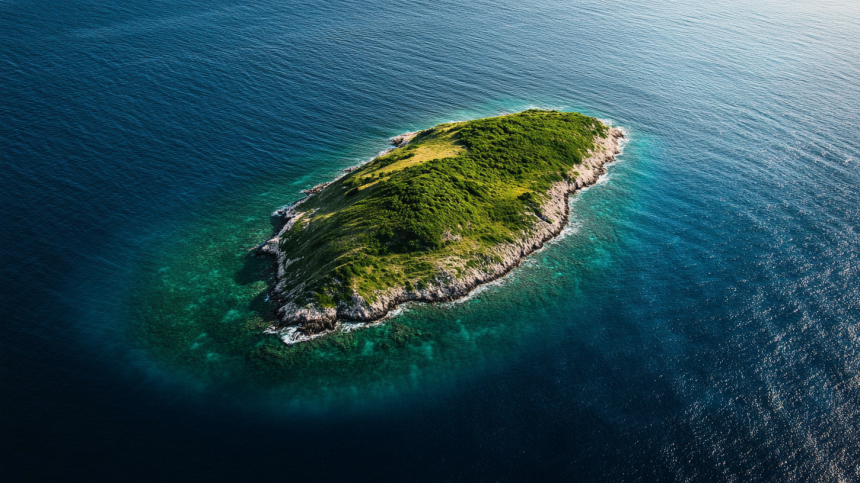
699 319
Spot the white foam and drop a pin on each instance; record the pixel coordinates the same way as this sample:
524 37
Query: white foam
571 228
602 179
291 335
475 292
347 327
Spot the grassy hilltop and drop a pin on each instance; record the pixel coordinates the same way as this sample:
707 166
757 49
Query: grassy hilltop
441 202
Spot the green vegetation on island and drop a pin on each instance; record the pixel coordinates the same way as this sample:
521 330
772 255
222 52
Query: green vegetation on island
426 213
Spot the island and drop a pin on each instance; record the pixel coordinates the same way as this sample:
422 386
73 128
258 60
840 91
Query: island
447 209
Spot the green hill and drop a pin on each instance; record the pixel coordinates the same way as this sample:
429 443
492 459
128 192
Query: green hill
432 219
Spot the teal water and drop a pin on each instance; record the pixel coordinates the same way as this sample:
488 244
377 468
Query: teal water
698 321
205 302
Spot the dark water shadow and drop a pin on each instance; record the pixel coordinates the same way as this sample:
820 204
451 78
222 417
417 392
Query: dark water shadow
262 305
255 268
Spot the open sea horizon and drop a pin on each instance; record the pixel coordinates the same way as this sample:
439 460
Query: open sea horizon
698 320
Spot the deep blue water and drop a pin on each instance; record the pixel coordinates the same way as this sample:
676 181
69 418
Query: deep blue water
701 320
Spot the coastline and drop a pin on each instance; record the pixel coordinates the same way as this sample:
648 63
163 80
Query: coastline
298 324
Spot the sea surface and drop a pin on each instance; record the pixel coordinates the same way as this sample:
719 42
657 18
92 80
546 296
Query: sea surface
699 320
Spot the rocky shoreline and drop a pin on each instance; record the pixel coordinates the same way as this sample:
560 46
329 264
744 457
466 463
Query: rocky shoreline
297 324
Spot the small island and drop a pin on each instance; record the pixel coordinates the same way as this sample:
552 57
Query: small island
448 209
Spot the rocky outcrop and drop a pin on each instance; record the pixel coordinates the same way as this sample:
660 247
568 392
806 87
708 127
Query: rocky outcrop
316 189
304 322
403 139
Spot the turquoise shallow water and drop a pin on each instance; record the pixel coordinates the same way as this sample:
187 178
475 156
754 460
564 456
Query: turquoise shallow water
203 304
698 321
